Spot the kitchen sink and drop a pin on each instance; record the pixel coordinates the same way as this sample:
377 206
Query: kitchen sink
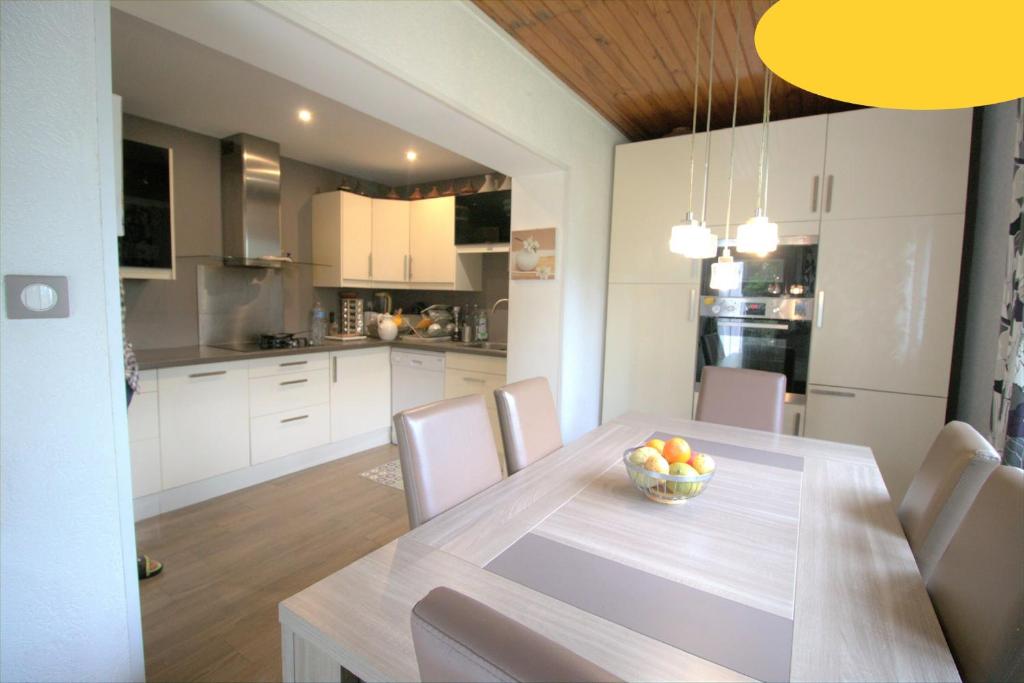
495 346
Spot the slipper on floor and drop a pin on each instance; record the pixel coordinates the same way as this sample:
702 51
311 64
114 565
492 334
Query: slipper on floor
149 567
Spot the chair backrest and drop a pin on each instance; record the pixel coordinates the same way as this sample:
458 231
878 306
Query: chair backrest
742 398
529 422
978 584
957 464
447 453
459 639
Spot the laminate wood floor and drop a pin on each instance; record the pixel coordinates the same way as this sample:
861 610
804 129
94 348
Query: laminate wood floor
211 615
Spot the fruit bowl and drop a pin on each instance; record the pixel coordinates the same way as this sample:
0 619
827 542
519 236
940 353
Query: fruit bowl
670 489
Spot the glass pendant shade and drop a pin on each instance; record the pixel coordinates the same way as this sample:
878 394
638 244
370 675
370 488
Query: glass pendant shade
693 240
757 236
725 273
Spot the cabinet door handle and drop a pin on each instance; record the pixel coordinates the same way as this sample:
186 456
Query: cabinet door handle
294 362
294 381
208 374
832 392
796 429
828 192
476 380
410 266
369 265
693 304
294 419
405 267
814 193
819 312
334 370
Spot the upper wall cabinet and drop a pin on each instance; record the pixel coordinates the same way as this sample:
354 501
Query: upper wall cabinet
888 162
796 156
146 247
649 196
390 240
364 242
432 241
342 239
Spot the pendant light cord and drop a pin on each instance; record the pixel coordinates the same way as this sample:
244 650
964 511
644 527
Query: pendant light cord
762 176
707 141
732 141
696 97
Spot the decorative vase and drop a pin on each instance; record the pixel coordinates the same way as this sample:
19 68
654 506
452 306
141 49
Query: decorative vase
526 261
386 327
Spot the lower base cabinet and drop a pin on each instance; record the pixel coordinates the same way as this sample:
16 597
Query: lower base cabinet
467 374
650 349
279 434
899 428
204 421
360 381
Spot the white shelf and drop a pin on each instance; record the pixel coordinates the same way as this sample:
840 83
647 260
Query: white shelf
491 248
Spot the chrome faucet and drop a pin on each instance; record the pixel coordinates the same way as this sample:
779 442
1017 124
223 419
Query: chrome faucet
498 303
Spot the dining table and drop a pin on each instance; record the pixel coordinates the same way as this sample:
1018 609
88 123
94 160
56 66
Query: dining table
791 565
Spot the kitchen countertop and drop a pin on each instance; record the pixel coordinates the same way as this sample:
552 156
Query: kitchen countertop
152 359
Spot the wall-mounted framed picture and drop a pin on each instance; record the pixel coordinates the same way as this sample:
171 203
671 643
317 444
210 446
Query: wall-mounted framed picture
532 254
146 250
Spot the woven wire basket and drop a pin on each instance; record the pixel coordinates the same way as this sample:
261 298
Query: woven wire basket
670 489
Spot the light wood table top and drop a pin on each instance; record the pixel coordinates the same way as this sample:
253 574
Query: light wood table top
812 550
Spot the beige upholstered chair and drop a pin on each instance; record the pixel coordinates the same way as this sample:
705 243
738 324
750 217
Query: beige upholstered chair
742 398
529 422
459 639
978 584
447 453
957 464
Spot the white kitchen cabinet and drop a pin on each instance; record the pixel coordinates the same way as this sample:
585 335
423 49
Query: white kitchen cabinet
649 196
144 436
795 170
432 241
468 374
898 428
342 239
279 434
890 162
278 393
204 421
887 295
390 240
650 349
360 381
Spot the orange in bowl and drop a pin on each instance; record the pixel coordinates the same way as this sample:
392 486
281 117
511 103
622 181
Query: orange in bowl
676 450
656 444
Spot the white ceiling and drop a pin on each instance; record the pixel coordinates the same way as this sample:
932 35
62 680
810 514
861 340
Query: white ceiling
168 78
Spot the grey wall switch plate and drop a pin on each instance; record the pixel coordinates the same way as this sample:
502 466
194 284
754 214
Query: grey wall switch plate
36 296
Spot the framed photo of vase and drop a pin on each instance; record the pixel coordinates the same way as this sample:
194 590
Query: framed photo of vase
532 254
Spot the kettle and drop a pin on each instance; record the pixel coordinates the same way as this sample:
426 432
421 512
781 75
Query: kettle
386 327
382 302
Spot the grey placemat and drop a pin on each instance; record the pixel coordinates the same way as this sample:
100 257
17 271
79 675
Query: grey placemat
789 462
742 638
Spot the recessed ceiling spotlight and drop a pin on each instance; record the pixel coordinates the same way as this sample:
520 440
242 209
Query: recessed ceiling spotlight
305 115
411 155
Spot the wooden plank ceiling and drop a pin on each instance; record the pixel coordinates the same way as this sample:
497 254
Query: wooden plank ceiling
634 60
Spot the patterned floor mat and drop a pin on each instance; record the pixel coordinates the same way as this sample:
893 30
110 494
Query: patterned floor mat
388 474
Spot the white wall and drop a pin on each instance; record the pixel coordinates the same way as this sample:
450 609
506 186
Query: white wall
988 264
69 606
444 71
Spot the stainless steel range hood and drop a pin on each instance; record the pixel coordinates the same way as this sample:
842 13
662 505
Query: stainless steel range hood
250 186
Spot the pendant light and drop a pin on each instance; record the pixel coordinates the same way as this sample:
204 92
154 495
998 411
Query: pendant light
726 273
691 238
759 235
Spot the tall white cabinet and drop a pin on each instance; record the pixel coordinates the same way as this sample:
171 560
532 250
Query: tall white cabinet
885 192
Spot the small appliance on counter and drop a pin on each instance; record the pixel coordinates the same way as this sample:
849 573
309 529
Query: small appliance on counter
352 322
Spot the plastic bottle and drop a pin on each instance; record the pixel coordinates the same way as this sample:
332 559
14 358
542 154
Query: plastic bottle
481 325
318 328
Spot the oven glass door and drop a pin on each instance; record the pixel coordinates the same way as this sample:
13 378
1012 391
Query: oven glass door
781 346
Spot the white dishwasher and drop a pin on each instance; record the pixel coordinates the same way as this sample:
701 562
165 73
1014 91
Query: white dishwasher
417 378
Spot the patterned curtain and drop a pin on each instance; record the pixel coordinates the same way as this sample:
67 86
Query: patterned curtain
1008 401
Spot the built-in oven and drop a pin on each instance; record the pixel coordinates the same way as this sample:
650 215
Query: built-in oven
757 333
765 323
